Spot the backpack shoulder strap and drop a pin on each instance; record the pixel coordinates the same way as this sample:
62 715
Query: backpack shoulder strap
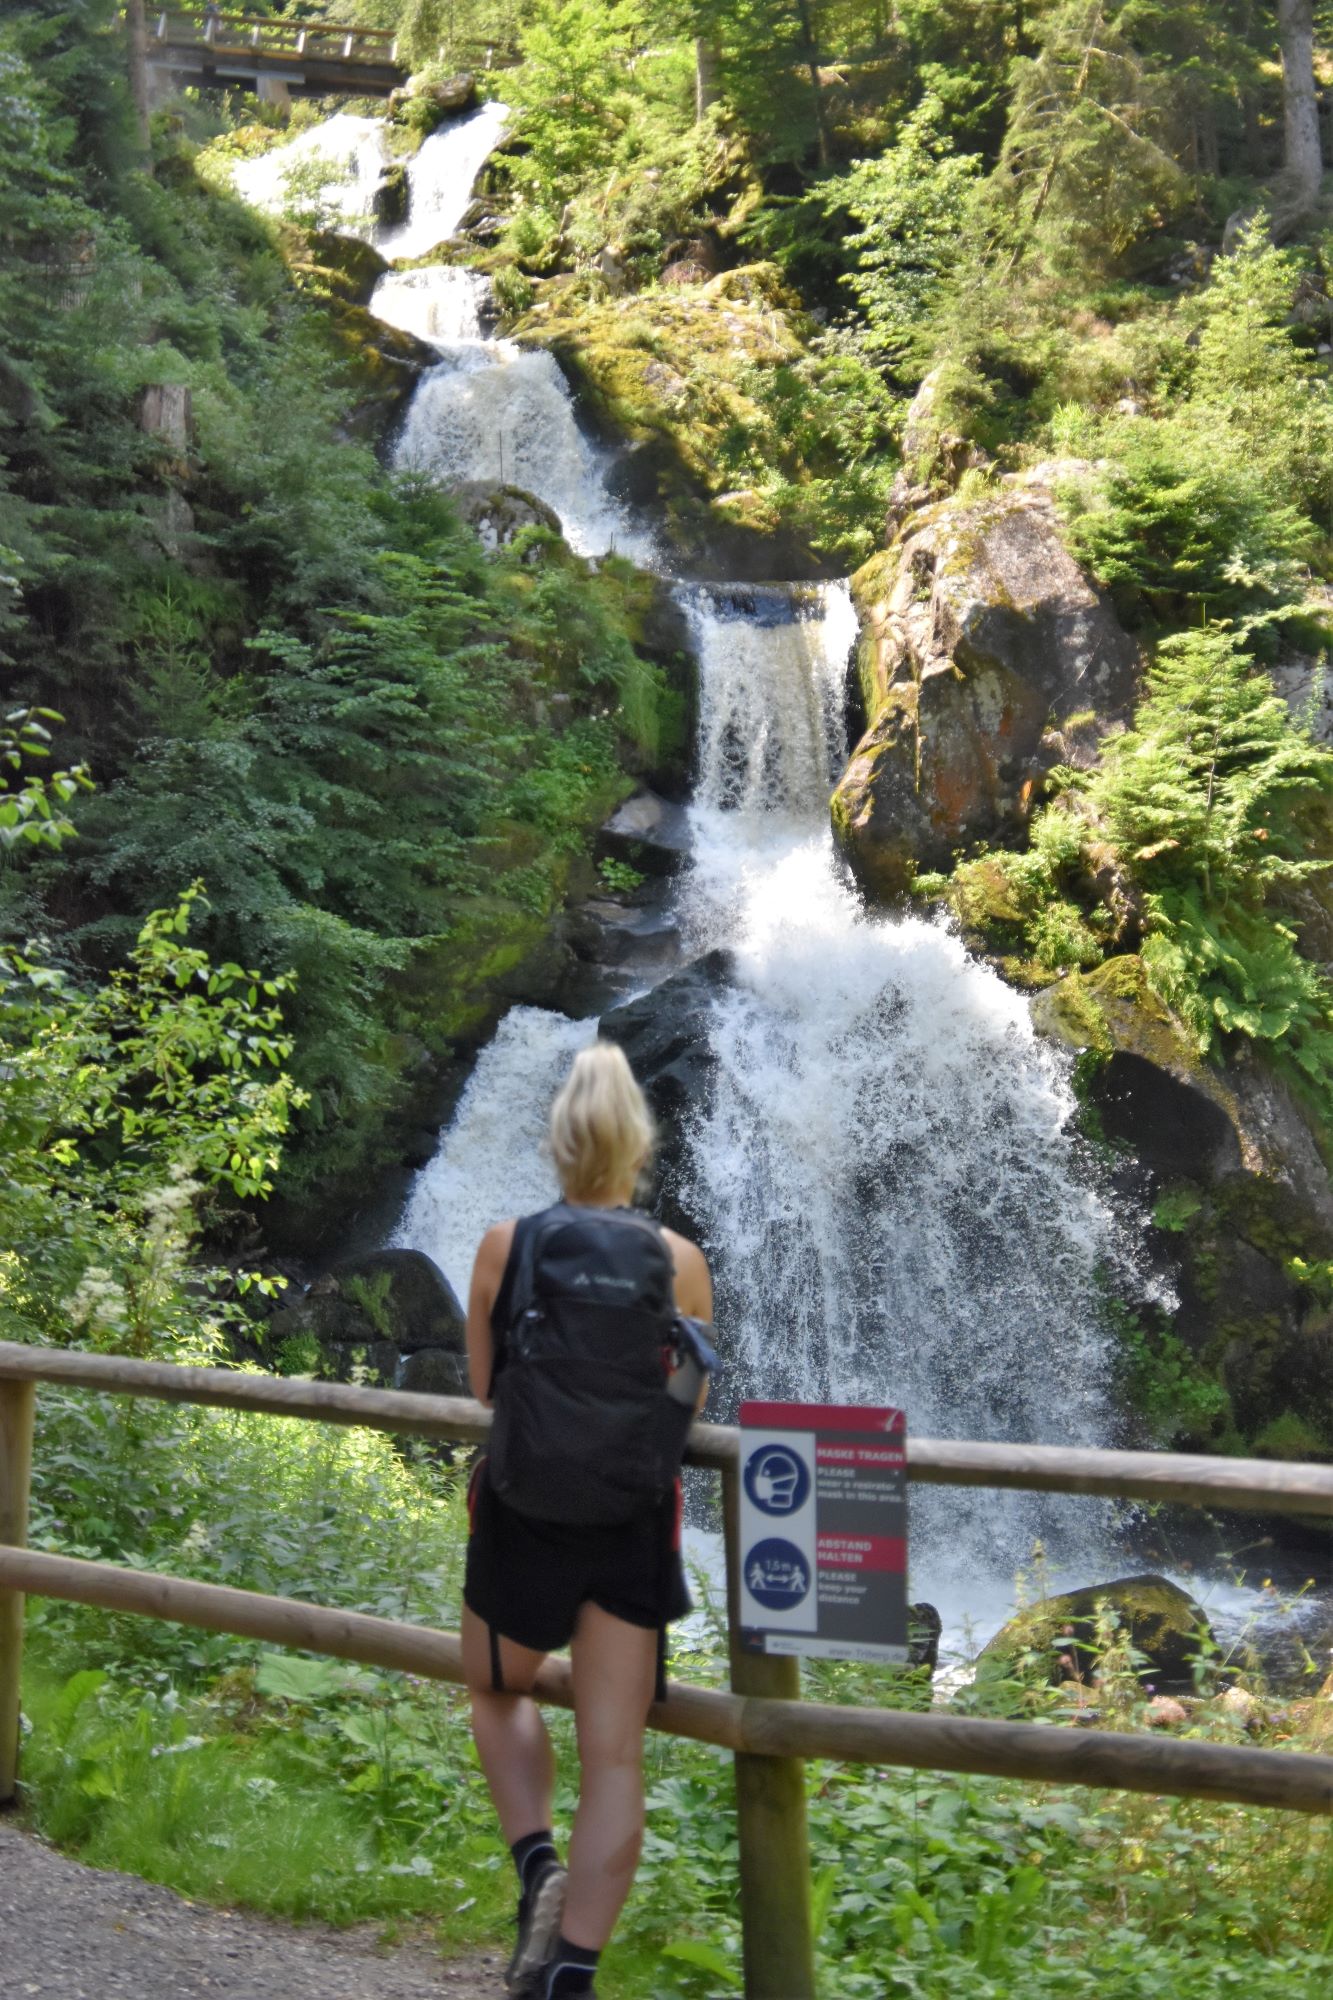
527 1236
516 1287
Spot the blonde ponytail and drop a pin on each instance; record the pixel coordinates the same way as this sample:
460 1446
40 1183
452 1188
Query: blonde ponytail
601 1128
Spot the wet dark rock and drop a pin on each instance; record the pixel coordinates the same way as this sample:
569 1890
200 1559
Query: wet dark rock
392 197
434 1371
667 1036
1171 1125
382 1312
414 1306
1160 1620
652 834
924 1628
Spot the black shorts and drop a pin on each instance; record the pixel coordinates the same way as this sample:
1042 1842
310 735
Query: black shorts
527 1579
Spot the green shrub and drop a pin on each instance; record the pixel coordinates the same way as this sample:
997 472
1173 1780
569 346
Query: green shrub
1209 799
1183 525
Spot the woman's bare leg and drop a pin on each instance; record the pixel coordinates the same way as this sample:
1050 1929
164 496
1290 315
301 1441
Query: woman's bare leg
509 1733
614 1670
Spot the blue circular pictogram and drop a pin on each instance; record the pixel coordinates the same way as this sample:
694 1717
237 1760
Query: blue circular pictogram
777 1480
777 1575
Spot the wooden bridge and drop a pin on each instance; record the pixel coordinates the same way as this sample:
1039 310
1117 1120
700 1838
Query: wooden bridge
310 58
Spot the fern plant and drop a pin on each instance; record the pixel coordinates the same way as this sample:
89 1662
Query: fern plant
1212 799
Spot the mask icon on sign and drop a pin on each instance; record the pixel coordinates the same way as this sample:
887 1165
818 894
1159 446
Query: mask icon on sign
776 1481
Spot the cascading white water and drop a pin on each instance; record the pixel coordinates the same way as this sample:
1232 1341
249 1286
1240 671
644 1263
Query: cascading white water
886 1174
440 177
491 411
343 156
343 159
440 302
499 413
503 414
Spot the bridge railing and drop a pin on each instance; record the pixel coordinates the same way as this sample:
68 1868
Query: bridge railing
239 32
762 1720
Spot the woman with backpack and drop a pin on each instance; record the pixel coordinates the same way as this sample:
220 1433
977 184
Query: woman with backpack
583 1334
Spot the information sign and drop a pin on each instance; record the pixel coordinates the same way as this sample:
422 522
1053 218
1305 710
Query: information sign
824 1531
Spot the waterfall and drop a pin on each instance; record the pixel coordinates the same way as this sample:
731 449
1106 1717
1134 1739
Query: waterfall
440 177
343 156
491 411
886 1173
503 414
895 1203
443 303
343 159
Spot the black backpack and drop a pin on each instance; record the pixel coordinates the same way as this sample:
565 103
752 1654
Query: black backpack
589 1426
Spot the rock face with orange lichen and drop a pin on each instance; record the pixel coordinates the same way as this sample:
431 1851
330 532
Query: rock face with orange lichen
987 657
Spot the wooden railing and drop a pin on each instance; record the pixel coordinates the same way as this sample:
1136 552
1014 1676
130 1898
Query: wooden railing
296 41
762 1720
184 26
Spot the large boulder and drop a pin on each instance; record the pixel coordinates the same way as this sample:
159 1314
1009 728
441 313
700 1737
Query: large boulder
423 101
393 196
1151 1090
344 265
667 1035
1243 1199
498 513
386 365
1160 1620
392 1313
649 833
986 651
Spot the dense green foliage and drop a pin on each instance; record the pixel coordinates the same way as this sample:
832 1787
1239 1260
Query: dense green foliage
294 681
1215 806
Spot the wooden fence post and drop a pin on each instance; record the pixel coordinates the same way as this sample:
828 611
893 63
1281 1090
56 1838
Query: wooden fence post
778 1945
18 1402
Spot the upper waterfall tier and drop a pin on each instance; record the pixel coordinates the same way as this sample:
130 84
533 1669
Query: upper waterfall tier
341 162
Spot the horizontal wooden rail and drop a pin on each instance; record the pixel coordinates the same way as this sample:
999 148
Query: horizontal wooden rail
276 25
1242 1484
1035 1752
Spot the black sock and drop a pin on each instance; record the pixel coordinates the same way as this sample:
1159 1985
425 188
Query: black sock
569 1970
532 1856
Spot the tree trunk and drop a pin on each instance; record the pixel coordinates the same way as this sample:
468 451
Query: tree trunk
137 27
706 88
1302 157
812 64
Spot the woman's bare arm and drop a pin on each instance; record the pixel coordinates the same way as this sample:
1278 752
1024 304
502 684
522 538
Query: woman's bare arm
487 1273
692 1286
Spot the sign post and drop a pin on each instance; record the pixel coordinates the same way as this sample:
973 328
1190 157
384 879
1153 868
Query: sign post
823 1532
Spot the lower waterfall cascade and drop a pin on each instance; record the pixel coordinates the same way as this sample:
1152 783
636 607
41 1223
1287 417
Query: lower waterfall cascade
887 1175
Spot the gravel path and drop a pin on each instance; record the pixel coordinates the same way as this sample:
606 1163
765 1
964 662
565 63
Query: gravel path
73 1933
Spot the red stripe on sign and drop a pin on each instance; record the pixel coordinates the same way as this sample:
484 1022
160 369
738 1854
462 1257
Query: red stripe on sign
886 1553
819 1417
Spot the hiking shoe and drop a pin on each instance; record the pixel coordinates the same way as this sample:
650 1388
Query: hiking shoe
539 1914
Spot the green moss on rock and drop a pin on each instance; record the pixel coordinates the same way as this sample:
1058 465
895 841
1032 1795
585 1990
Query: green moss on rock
1160 1620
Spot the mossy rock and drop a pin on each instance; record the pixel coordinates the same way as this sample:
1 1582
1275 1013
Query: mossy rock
393 196
672 376
1151 1091
342 266
1160 1620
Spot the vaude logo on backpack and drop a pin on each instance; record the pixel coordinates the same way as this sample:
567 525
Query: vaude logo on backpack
587 1431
